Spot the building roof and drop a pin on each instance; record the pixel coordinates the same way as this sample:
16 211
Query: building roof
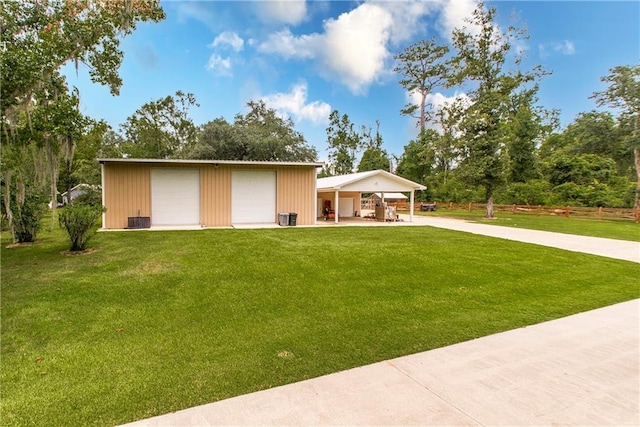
368 182
210 162
79 186
391 195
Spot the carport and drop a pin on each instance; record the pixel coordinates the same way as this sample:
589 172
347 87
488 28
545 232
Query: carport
377 181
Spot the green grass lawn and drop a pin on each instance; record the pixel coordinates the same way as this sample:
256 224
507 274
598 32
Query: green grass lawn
612 229
154 322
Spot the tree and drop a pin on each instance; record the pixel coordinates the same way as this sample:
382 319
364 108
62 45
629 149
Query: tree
218 140
415 164
344 143
54 127
480 61
160 129
260 135
112 144
444 147
38 38
593 132
423 69
85 169
623 93
373 157
524 131
269 137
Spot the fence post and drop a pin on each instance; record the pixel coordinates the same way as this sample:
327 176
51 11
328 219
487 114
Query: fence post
566 212
539 210
450 206
469 207
514 208
637 214
599 213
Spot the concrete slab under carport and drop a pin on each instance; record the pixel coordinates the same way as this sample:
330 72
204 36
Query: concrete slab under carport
578 370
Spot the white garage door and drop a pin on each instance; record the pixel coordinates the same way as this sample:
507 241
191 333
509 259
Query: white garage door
253 196
175 196
345 207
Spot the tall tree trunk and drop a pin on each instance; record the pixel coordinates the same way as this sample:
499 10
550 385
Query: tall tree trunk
423 120
52 158
490 213
7 204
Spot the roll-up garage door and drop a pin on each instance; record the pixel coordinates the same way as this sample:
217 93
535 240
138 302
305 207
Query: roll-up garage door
253 196
345 207
175 196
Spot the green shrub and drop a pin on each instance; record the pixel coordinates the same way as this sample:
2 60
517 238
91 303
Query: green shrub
91 197
27 216
78 221
534 192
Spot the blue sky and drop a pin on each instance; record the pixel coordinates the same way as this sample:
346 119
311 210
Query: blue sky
306 59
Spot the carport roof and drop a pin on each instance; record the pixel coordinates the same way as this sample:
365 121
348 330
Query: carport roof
211 162
368 182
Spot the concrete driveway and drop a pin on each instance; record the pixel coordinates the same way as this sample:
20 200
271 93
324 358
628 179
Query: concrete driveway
611 248
578 370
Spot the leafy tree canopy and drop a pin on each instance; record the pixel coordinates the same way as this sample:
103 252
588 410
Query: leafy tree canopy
160 129
259 135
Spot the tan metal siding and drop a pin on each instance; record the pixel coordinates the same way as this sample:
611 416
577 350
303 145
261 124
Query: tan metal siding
127 188
216 196
296 193
127 191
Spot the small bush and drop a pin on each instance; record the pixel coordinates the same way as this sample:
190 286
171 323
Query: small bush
27 216
78 221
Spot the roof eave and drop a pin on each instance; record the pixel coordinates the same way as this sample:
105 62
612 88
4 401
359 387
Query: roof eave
213 162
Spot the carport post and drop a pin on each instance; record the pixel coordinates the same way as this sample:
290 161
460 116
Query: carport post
335 206
411 203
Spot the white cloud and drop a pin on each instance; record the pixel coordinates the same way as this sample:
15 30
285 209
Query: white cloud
564 47
220 65
438 100
354 46
285 44
454 14
407 18
199 11
228 38
352 49
291 12
295 103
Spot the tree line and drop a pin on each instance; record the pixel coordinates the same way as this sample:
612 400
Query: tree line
497 143
493 144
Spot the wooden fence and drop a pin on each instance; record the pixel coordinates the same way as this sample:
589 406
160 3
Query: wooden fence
600 213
